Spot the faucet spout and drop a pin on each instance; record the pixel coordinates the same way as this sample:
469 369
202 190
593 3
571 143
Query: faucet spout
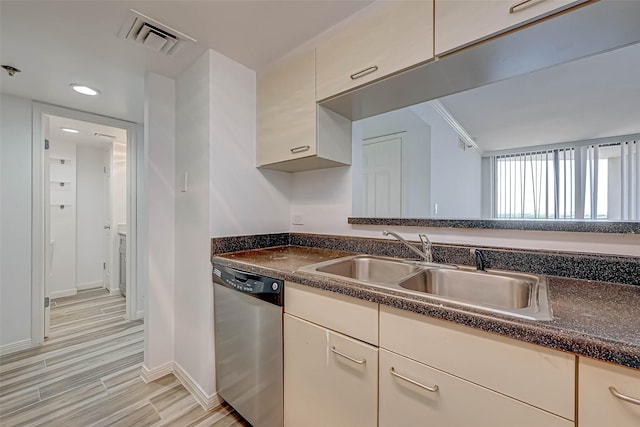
425 254
427 247
481 261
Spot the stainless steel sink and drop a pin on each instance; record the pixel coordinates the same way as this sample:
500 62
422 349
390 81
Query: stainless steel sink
366 269
479 287
513 294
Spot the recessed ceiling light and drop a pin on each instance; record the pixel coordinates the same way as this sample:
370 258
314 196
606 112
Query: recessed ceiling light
85 90
69 130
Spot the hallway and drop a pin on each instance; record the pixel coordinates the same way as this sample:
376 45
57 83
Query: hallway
88 373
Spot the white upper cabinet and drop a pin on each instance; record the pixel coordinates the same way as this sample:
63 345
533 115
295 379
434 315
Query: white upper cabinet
393 36
459 23
293 134
609 395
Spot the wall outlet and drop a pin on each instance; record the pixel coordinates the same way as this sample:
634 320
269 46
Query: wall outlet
297 219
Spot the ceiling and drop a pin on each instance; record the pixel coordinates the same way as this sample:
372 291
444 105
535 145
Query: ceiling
86 131
594 97
56 43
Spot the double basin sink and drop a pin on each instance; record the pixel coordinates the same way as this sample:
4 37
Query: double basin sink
513 294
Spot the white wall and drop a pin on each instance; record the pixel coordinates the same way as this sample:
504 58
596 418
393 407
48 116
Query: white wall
455 173
15 221
90 214
159 141
323 198
62 278
194 292
244 200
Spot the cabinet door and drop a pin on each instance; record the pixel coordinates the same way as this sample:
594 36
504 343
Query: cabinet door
413 394
393 36
460 23
598 404
329 379
286 110
344 314
530 373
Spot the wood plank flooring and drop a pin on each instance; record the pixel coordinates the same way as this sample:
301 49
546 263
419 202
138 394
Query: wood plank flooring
88 374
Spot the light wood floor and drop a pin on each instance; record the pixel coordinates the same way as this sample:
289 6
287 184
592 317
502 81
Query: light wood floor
88 374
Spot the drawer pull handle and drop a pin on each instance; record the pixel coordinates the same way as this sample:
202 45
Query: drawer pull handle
364 72
346 356
300 149
513 8
416 383
624 397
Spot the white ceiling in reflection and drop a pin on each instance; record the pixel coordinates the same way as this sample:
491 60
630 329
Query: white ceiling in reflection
591 98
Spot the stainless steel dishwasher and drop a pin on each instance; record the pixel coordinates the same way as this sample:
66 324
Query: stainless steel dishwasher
248 343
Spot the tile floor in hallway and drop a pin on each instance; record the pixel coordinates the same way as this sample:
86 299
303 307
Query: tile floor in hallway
88 374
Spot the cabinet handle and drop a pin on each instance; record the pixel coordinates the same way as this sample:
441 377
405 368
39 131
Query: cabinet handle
513 8
364 72
346 356
409 380
299 149
624 397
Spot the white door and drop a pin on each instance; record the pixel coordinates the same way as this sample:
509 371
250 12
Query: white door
107 236
49 244
382 176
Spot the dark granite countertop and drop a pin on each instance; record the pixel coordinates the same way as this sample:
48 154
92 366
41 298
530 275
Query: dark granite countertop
594 319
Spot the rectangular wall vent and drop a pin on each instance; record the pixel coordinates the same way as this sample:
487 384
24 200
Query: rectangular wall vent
104 135
152 34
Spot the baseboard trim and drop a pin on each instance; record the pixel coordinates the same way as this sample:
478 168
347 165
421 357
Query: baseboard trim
115 292
150 375
207 402
15 347
65 293
89 285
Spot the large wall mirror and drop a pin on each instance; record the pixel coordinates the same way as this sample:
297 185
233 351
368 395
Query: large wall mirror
562 143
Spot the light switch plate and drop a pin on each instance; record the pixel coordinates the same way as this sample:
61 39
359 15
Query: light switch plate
297 219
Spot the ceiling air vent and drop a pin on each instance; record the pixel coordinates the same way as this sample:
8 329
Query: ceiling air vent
104 135
152 34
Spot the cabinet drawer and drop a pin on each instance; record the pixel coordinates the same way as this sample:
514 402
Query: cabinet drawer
459 23
329 379
597 405
393 36
456 402
493 361
347 315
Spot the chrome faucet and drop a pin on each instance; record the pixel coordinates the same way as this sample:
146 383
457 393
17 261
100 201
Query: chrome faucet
426 254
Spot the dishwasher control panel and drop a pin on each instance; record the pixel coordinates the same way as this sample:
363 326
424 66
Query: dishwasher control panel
262 287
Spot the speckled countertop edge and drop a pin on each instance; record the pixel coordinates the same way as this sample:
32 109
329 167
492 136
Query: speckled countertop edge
581 226
545 334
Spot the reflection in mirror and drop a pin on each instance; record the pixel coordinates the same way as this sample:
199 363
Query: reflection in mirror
559 143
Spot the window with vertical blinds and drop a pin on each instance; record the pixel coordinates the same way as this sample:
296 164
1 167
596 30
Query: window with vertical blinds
600 181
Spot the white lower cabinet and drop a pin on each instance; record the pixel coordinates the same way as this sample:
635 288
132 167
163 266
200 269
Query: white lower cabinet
329 378
539 376
608 395
413 394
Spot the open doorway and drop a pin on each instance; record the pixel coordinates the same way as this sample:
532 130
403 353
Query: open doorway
85 217
84 213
